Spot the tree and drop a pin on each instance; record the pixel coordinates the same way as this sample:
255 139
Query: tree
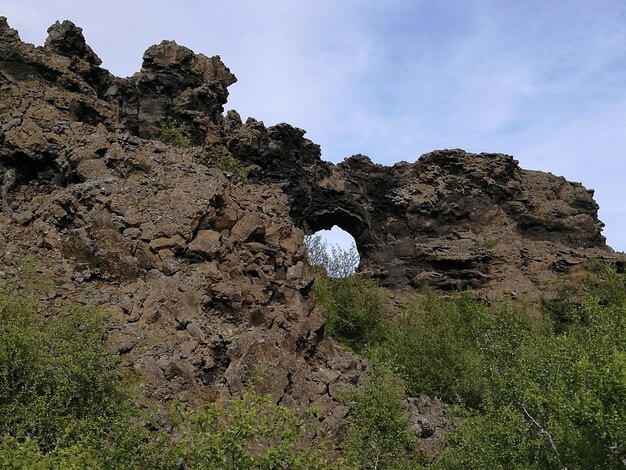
337 261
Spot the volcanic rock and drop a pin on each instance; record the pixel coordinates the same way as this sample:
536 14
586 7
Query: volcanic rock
451 220
202 278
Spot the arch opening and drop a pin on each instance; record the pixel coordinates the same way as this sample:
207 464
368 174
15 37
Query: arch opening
334 250
326 219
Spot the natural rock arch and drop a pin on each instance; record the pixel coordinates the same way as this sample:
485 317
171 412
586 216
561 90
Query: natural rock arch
212 270
450 220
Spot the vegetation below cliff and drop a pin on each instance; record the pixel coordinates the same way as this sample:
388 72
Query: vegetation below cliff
66 404
525 390
530 390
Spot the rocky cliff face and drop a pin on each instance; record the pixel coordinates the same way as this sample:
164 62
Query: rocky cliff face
450 220
203 277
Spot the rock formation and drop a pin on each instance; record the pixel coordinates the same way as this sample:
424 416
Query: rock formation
203 278
450 220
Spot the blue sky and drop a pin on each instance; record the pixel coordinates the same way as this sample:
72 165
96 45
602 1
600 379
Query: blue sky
543 81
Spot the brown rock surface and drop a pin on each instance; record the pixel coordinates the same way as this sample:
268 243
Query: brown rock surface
203 279
429 421
450 220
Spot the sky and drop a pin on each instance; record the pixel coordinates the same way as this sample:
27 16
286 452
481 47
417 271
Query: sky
543 81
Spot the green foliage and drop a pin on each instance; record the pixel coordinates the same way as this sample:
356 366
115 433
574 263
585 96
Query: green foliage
496 438
378 435
26 454
174 134
61 395
600 284
335 260
252 433
232 167
605 285
355 309
52 372
560 401
531 392
462 345
436 346
63 405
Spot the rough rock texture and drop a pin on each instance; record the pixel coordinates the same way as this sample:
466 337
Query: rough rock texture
203 277
429 420
450 220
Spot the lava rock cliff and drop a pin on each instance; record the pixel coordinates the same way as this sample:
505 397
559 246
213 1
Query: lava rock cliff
203 279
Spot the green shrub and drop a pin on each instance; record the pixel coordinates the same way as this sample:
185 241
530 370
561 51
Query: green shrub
531 392
553 400
53 372
232 167
378 435
453 348
499 437
26 454
600 283
61 393
173 134
435 344
560 406
251 433
355 309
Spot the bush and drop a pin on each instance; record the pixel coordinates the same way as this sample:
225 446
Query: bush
554 400
355 309
378 435
559 404
26 454
63 405
53 372
232 167
531 392
600 283
435 344
174 134
499 437
252 433
61 394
